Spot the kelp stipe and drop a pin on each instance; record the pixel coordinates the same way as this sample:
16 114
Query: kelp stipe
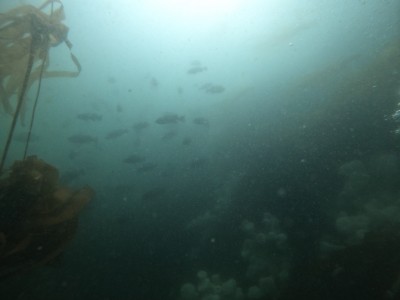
37 220
26 35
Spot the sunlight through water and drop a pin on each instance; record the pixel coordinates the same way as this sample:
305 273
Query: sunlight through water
194 11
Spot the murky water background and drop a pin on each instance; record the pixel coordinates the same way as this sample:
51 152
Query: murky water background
239 150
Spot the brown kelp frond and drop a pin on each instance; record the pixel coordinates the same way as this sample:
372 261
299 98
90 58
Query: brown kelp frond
26 35
37 221
29 31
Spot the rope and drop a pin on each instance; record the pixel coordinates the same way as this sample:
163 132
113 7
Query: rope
37 93
34 106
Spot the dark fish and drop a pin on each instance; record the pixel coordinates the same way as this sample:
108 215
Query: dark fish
196 63
197 163
146 167
119 108
206 86
201 121
124 188
81 139
111 80
116 133
212 88
169 135
89 117
139 126
72 154
215 89
134 159
154 83
71 175
186 141
196 70
170 118
153 194
23 136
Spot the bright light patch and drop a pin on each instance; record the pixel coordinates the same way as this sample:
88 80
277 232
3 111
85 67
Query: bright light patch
203 8
195 10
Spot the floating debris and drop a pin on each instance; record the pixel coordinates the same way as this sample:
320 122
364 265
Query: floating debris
170 118
201 121
89 117
116 133
134 159
81 139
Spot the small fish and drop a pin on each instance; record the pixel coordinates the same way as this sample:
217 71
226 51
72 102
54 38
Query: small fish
89 117
81 139
116 133
186 141
139 126
196 69
195 63
170 118
212 88
169 135
146 167
134 159
198 163
23 136
215 89
111 79
153 82
73 154
201 121
153 194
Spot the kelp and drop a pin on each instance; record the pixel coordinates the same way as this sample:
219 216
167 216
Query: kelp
38 216
27 33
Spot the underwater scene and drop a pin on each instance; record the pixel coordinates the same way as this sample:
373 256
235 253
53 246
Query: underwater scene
200 150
